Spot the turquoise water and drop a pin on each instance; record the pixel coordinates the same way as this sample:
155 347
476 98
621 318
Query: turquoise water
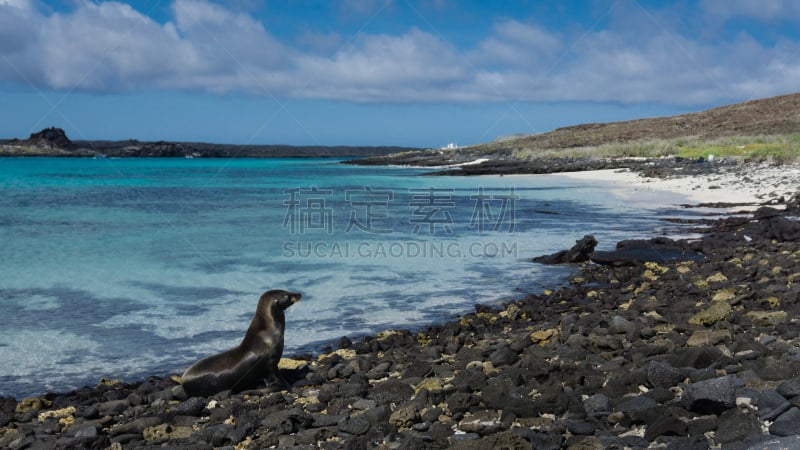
125 268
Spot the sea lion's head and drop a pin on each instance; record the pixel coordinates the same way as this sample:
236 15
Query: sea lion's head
279 299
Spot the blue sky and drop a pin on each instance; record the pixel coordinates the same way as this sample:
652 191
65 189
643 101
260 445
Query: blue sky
380 72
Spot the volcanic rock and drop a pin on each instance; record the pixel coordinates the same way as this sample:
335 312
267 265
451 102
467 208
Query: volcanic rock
578 253
636 252
711 396
50 138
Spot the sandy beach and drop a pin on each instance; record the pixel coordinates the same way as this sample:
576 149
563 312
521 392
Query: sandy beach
746 186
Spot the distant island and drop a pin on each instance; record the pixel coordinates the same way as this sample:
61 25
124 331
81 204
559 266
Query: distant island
54 142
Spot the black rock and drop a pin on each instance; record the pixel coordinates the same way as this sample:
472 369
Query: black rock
349 390
194 406
287 421
765 212
771 404
470 380
135 426
697 375
736 425
636 252
787 424
774 226
8 407
578 253
541 441
689 443
506 439
504 396
789 388
711 396
639 409
461 402
391 391
217 435
783 443
701 357
503 356
416 369
597 405
580 427
440 432
344 342
354 425
325 420
662 374
626 442
86 431
665 426
413 443
377 415
660 395
701 425
636 404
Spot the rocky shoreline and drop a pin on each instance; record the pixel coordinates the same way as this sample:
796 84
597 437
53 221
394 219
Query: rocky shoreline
694 345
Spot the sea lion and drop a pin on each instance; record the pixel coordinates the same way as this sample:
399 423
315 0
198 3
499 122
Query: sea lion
254 360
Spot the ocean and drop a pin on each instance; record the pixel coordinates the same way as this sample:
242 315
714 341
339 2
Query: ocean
124 268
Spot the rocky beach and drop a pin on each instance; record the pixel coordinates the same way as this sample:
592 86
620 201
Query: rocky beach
679 344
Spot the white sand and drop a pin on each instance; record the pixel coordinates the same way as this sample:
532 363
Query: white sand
468 163
755 185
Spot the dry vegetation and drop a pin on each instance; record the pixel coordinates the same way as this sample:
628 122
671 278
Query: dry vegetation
764 147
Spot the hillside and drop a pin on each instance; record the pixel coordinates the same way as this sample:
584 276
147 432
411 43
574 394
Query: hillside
775 115
765 117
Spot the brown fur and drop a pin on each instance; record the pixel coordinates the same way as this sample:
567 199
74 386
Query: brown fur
254 360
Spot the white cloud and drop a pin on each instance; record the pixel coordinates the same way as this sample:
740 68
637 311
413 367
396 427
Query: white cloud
376 63
17 4
516 44
225 39
16 23
109 46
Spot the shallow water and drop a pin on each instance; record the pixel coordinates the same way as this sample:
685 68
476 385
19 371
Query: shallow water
129 267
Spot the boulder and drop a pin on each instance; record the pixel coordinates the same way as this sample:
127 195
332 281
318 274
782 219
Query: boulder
578 253
638 251
711 396
787 424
